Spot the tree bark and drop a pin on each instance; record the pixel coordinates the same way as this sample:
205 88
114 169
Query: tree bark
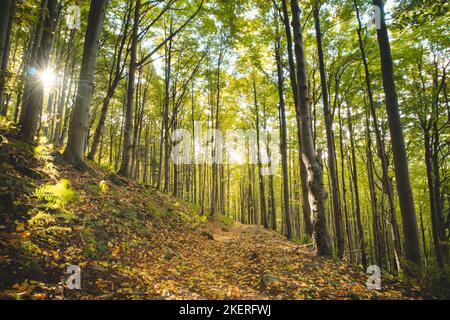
317 192
262 196
283 142
410 229
65 83
74 152
306 210
34 90
6 18
431 192
380 145
362 243
336 205
128 130
112 86
5 15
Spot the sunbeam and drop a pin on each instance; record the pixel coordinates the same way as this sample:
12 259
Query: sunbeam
48 79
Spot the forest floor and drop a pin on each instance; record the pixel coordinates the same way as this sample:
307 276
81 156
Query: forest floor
132 242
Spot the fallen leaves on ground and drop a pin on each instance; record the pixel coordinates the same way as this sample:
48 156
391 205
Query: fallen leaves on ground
132 242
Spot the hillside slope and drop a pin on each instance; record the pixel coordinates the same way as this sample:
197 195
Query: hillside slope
132 242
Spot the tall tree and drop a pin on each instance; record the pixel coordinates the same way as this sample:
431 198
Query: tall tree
283 142
74 152
410 229
116 72
5 34
387 189
336 205
354 174
40 58
292 75
262 196
128 132
317 192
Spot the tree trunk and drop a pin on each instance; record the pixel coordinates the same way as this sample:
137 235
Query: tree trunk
303 174
344 188
166 111
62 99
128 130
5 15
74 152
432 197
317 192
34 89
262 196
6 18
373 195
283 142
387 189
215 193
112 85
410 229
336 205
356 191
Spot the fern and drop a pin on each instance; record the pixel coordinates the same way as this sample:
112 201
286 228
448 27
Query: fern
56 195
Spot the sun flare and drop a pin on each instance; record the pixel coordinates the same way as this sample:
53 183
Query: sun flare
48 79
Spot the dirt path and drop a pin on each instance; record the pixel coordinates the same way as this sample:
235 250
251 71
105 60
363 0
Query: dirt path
248 262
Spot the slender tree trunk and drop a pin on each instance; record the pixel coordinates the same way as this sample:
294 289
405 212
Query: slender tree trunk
437 189
112 85
6 18
283 142
317 192
65 82
344 188
215 193
262 196
125 167
373 196
431 192
336 205
34 89
387 189
194 165
410 229
166 111
292 74
356 191
272 217
74 152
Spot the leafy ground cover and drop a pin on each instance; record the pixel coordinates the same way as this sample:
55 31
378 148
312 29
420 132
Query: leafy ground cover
132 242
